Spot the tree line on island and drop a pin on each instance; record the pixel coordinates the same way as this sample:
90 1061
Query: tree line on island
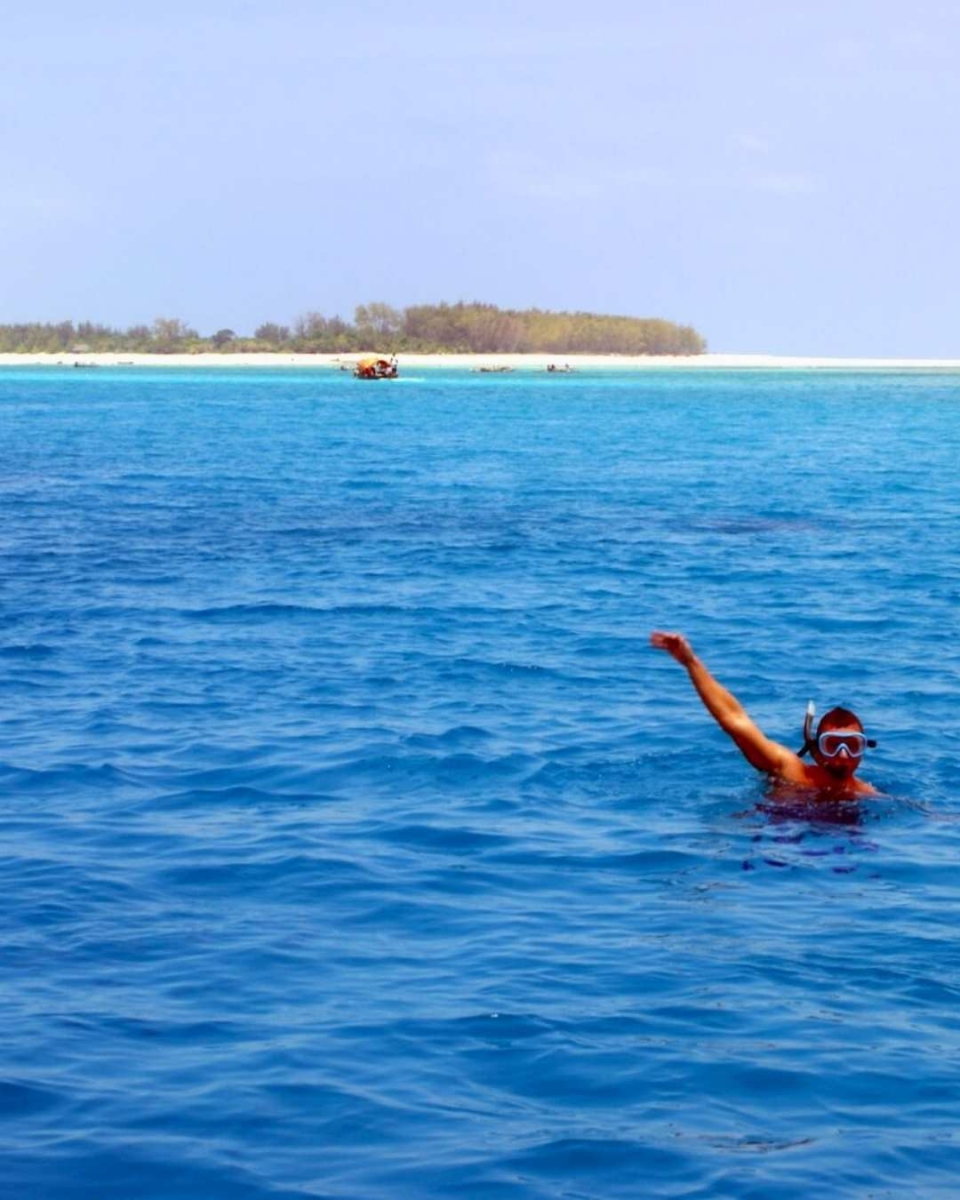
423 328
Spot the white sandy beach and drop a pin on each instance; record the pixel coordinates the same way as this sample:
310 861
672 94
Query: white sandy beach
474 362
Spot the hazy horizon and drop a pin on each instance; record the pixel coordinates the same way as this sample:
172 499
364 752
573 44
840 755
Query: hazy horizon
781 180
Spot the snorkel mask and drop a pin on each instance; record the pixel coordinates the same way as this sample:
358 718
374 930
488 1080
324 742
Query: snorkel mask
832 742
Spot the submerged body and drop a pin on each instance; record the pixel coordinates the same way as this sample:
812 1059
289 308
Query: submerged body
837 750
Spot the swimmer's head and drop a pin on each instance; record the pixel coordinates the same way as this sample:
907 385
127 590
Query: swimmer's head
839 743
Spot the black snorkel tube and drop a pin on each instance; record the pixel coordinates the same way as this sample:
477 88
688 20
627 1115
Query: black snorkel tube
809 741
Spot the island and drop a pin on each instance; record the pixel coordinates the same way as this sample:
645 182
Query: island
461 328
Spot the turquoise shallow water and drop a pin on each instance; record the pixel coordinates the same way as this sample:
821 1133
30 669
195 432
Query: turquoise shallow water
355 843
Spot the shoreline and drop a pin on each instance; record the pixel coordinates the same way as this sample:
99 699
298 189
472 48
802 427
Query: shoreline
474 362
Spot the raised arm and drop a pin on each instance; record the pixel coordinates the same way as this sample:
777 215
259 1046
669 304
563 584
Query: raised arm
727 711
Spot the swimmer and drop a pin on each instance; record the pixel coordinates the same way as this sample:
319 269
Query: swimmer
836 749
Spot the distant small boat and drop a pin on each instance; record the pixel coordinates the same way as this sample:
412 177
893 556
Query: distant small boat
88 366
376 368
494 370
553 369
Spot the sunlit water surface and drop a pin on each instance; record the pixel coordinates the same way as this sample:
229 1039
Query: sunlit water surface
355 843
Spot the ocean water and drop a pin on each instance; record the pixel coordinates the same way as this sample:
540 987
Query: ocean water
356 844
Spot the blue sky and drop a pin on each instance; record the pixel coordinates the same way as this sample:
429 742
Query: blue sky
783 176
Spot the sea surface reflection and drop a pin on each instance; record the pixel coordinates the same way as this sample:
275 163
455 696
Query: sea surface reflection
356 844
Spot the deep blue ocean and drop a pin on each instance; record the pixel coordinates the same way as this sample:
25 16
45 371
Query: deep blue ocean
356 844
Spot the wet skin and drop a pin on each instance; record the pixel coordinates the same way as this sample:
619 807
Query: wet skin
832 776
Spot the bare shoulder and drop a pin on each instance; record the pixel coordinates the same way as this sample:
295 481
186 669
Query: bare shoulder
808 775
862 788
792 769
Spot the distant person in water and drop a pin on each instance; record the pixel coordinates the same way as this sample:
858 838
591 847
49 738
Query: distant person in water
836 749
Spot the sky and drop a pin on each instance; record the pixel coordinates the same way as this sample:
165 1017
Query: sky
782 176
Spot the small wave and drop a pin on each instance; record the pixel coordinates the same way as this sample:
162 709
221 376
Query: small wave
24 1099
457 736
470 666
250 612
449 840
34 652
243 796
268 611
596 1158
66 777
755 1145
278 871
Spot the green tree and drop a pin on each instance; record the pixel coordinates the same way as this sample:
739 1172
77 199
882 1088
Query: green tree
377 321
462 326
276 335
170 334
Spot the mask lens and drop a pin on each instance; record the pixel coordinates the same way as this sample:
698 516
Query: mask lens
832 743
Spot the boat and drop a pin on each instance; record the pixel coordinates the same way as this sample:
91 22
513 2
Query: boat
494 370
376 368
553 369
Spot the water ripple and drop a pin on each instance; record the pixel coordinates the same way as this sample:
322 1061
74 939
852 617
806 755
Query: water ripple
357 845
